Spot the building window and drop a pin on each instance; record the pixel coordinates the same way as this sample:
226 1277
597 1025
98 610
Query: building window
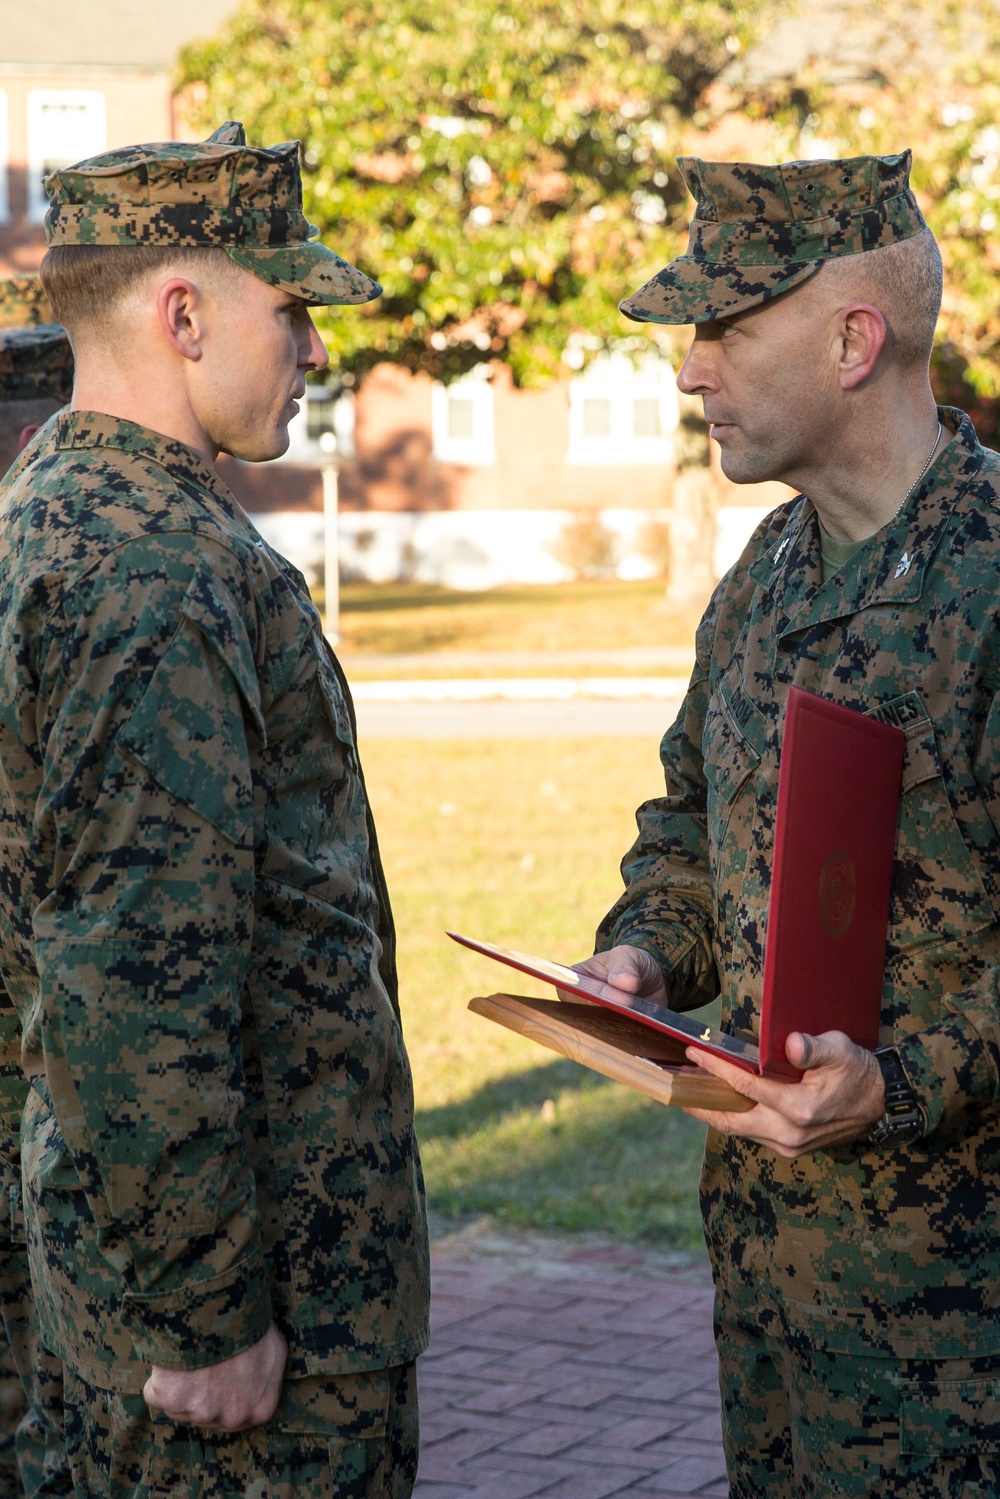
324 425
646 420
64 126
462 420
596 417
4 161
321 404
621 412
330 418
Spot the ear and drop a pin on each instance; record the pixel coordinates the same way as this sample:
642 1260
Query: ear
179 308
26 434
863 332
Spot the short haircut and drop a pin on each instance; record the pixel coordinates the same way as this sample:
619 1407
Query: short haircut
904 281
86 284
14 417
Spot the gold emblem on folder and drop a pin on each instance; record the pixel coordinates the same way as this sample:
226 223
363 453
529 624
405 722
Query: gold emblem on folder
837 894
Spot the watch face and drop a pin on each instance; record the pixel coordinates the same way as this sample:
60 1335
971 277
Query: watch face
899 1130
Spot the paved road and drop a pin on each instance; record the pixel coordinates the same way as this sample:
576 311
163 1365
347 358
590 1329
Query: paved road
515 720
578 1372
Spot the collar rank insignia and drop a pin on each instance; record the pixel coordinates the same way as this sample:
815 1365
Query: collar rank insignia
903 565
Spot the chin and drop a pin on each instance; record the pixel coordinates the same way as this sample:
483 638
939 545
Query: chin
746 468
259 448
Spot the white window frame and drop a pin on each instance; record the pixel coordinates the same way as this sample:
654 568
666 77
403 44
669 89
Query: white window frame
616 379
4 159
478 450
305 449
344 421
93 141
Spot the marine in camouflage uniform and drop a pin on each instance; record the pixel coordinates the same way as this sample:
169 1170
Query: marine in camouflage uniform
36 378
858 1286
196 932
36 365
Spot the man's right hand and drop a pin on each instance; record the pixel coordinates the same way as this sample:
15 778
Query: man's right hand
628 968
241 1392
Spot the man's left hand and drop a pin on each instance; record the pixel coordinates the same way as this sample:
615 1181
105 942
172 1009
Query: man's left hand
235 1395
840 1096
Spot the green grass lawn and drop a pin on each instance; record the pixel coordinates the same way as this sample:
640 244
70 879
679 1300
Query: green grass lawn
518 842
415 617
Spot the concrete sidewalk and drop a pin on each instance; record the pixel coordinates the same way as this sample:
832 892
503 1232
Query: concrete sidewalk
568 1370
415 696
518 689
506 720
678 658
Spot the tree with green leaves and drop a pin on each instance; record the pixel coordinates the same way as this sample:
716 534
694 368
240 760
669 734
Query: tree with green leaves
918 73
506 171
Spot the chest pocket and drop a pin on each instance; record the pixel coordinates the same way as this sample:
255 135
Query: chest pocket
334 702
732 744
937 890
315 806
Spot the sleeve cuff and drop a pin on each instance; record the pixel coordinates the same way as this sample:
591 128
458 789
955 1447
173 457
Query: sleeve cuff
203 1324
949 1067
684 955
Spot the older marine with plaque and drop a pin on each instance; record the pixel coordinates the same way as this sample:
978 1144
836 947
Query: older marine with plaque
852 1216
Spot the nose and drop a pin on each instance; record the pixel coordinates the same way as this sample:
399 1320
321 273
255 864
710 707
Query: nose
314 355
697 375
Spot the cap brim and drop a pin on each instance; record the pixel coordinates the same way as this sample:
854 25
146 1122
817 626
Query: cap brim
699 291
308 270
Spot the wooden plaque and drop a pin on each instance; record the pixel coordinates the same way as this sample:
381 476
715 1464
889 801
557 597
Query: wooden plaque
619 1048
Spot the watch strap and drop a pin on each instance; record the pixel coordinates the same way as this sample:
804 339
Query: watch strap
903 1119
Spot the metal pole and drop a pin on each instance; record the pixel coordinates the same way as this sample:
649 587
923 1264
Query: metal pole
331 622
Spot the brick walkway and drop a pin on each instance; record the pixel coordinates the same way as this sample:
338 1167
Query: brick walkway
568 1371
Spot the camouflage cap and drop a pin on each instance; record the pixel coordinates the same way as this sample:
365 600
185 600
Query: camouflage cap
23 302
219 193
36 363
758 231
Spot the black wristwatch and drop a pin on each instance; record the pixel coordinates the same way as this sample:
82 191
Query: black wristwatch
903 1119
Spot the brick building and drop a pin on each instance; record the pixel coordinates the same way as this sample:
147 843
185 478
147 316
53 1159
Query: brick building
77 78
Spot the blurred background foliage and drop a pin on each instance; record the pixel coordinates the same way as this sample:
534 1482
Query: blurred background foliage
507 170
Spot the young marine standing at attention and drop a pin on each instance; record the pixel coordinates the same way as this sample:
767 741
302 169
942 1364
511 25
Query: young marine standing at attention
223 1195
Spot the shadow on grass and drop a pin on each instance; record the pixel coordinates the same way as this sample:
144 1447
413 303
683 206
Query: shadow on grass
560 1147
504 1096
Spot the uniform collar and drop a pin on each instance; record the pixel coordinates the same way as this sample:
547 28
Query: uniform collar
889 567
86 430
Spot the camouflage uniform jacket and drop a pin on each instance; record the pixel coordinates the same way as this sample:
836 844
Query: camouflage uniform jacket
893 1251
195 933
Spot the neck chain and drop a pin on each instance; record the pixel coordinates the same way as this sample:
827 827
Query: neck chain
930 460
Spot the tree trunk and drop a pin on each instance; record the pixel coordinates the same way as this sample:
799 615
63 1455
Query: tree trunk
692 539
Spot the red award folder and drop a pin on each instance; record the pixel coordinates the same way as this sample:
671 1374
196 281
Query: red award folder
828 913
